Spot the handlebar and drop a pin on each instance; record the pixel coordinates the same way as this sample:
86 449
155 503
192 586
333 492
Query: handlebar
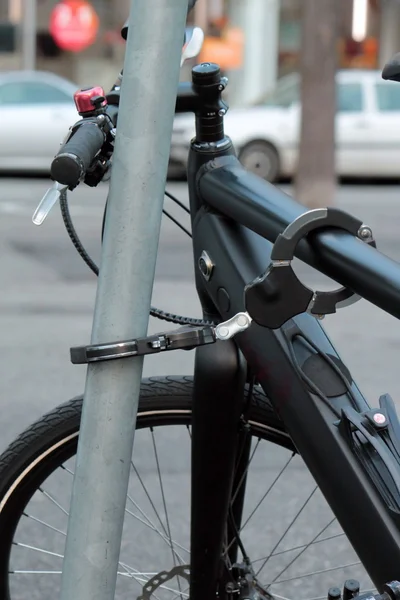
256 204
87 139
78 153
266 210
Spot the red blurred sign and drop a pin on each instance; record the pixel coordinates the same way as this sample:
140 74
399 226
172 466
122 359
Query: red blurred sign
74 25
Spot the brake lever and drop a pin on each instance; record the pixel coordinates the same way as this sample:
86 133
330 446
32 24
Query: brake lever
190 50
50 198
194 45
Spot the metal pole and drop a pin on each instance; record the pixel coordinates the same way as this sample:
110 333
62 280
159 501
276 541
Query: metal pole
261 54
151 75
29 35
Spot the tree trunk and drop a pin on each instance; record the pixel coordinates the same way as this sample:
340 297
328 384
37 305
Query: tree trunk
316 178
201 14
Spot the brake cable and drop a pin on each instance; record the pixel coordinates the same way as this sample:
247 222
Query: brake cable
158 313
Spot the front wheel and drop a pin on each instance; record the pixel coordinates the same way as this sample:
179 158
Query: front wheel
292 556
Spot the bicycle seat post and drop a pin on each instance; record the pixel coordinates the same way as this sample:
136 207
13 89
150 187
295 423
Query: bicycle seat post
151 75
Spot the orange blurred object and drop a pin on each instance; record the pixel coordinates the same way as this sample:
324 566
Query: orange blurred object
359 55
227 51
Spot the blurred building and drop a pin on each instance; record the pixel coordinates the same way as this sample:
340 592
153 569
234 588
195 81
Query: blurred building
99 64
368 35
352 53
382 34
255 41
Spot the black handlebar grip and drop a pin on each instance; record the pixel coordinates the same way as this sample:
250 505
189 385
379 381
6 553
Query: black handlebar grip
77 154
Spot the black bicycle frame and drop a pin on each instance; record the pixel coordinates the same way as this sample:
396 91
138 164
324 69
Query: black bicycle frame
230 209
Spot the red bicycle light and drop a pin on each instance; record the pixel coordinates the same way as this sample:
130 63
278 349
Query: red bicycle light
84 99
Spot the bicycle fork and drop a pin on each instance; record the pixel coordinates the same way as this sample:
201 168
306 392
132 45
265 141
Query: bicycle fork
219 393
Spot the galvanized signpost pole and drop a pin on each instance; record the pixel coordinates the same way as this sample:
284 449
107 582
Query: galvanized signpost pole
151 75
29 32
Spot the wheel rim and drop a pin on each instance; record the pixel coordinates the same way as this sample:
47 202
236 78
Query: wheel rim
270 550
260 162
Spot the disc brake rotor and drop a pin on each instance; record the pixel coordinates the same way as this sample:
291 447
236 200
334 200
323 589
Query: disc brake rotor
161 578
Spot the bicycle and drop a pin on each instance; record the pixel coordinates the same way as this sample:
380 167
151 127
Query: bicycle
257 365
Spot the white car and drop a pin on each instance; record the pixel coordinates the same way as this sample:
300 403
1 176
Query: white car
266 136
36 110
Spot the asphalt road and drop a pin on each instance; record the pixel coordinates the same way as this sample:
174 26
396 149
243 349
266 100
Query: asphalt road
46 304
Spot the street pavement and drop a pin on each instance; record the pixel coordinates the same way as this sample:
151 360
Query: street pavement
46 303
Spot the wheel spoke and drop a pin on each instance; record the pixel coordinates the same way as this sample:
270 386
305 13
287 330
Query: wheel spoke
27 572
64 468
285 466
147 579
164 501
41 550
149 497
163 537
317 572
245 472
128 571
53 501
152 526
234 496
149 522
325 539
19 572
44 523
238 460
35 549
288 527
133 574
303 550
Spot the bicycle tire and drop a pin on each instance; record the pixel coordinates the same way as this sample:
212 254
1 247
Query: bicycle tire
30 459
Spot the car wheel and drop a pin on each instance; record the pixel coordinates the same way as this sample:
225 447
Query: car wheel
262 159
176 172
